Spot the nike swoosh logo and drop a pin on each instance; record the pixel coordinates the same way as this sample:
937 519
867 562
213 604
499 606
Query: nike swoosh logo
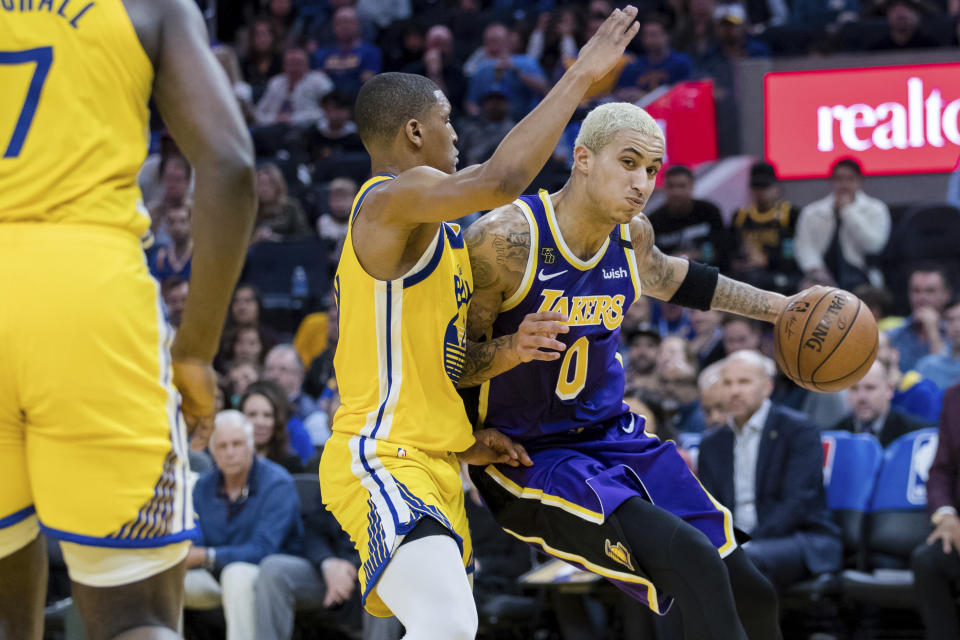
542 277
633 424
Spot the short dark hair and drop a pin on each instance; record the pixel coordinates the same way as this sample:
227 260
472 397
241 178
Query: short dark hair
756 326
928 266
849 163
658 18
338 98
171 283
386 103
679 170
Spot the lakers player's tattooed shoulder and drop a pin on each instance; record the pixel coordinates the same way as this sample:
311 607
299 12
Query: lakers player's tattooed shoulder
499 244
658 275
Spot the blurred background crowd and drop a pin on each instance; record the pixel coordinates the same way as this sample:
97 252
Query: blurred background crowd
284 569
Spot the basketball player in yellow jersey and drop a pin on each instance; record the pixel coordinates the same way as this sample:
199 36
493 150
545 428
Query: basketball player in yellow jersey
92 442
389 472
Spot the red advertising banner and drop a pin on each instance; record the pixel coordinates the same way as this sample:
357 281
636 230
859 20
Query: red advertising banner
687 116
893 120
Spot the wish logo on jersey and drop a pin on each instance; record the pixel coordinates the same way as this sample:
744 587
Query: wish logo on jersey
585 311
455 337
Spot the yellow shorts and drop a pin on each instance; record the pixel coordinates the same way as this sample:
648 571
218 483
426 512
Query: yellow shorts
92 443
378 490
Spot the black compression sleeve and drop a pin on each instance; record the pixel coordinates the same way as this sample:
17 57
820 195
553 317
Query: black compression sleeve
696 290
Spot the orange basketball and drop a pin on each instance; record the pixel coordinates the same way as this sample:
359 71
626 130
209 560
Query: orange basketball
826 339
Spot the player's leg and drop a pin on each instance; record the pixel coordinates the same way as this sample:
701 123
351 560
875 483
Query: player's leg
106 447
23 586
683 562
148 609
426 587
755 597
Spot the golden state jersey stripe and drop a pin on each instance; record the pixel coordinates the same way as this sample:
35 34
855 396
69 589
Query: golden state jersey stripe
364 190
531 269
569 256
631 261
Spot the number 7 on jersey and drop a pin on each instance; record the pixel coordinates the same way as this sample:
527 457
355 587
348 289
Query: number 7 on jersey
43 58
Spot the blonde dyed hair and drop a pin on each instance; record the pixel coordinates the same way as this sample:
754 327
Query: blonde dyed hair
603 123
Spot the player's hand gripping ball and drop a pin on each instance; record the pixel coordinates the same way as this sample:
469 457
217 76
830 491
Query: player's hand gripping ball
825 339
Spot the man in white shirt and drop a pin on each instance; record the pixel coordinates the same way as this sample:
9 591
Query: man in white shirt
836 234
291 102
766 466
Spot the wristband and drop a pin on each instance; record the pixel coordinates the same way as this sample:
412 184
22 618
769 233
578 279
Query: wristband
697 289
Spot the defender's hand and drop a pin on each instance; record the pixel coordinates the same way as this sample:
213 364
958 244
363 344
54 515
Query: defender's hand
197 384
604 49
492 447
539 331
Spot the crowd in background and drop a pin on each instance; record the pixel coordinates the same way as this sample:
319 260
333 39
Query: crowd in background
296 67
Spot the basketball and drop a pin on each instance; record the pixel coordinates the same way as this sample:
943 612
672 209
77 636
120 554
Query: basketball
826 339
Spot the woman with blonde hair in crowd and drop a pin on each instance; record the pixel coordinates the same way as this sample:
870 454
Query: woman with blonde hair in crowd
279 217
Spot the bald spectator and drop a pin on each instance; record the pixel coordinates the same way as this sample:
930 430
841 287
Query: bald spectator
284 366
246 510
766 465
173 290
175 258
518 76
929 291
440 64
836 234
871 411
350 61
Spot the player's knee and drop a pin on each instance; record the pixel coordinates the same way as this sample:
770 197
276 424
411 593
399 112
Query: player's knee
462 626
691 543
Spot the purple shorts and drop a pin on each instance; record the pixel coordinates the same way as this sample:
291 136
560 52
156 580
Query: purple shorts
561 504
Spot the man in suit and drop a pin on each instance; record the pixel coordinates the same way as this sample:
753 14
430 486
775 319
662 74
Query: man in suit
936 564
766 465
870 410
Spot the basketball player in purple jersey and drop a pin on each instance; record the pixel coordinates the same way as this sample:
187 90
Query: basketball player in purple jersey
594 489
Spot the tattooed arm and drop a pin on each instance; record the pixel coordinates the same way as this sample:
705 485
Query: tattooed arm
499 245
661 276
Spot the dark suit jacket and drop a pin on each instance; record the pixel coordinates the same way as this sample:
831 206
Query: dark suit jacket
896 425
790 499
943 485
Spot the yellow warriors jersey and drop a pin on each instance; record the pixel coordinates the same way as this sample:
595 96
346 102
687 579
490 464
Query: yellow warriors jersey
402 345
74 86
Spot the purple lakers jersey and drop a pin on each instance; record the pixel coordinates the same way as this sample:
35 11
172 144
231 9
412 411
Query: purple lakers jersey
585 385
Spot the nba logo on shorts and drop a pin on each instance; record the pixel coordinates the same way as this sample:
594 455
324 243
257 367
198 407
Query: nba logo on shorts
401 452
924 448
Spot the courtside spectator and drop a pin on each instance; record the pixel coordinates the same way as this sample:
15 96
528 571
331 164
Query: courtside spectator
658 66
262 61
332 224
246 510
274 432
175 258
687 226
284 367
350 61
481 134
766 466
291 103
764 233
913 394
944 368
936 564
871 411
929 291
518 76
174 290
836 234
279 216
